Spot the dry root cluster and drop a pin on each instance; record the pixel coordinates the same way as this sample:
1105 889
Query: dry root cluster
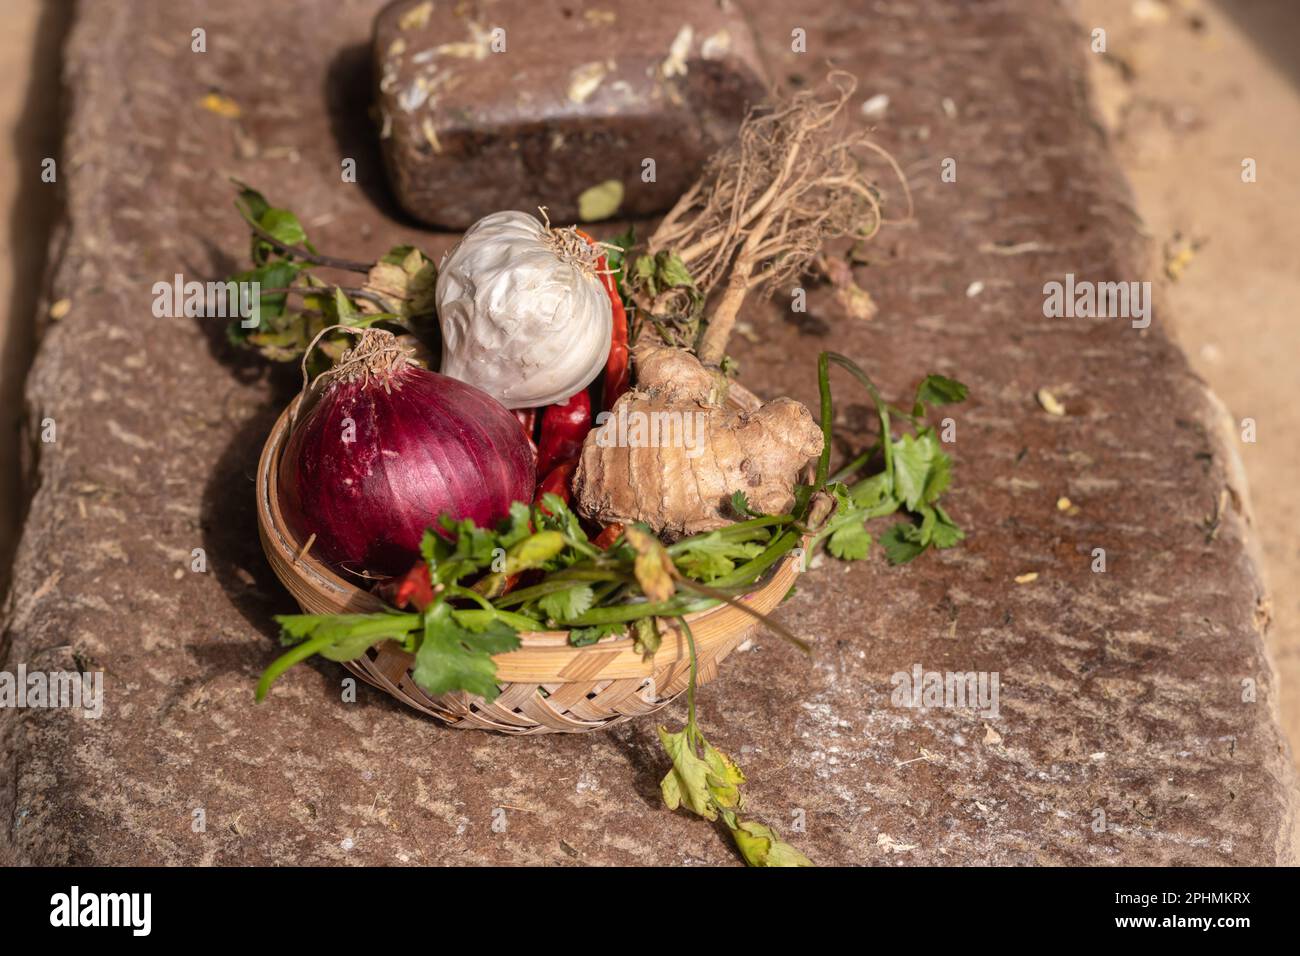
793 179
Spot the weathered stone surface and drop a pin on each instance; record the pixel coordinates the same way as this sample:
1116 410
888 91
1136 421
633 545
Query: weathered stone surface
1120 692
516 104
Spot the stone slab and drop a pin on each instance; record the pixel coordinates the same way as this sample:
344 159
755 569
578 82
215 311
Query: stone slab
1120 692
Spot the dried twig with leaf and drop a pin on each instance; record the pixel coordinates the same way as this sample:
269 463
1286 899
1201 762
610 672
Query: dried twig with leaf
294 304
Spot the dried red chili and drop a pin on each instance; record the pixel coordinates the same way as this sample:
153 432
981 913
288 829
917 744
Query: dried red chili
557 481
608 535
617 375
564 428
528 418
415 588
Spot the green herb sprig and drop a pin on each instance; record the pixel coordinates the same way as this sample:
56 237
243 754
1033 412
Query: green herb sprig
915 474
707 782
581 589
295 304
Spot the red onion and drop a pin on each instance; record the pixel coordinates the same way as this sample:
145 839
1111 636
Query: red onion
386 448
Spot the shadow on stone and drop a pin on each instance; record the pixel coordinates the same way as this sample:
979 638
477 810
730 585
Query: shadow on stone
638 743
228 519
349 84
36 138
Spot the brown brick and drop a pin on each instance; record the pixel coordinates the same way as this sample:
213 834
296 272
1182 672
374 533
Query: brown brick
581 94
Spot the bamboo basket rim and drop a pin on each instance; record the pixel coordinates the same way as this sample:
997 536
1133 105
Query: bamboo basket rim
543 656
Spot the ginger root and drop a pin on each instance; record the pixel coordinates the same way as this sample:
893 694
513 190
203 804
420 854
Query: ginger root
673 451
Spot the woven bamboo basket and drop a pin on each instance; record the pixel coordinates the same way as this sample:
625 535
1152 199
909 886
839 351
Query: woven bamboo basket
547 685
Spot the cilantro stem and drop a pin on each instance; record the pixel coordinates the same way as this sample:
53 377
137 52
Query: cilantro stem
853 466
560 581
299 652
882 410
740 530
519 622
692 727
306 255
630 612
578 573
455 590
604 592
351 291
762 618
886 507
827 416
755 566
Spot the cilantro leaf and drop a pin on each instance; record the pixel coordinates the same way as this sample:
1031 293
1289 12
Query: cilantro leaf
672 272
901 543
725 777
939 477
687 783
662 271
741 506
616 260
517 526
479 619
851 542
452 657
469 550
654 569
871 491
647 637
556 515
710 556
912 457
283 226
338 637
567 604
917 472
346 636
707 782
643 273
429 550
946 534
582 636
937 390
535 551
251 203
761 846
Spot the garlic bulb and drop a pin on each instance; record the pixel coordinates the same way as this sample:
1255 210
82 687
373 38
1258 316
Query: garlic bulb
524 316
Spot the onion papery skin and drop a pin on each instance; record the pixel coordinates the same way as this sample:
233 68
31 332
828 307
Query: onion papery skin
424 446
